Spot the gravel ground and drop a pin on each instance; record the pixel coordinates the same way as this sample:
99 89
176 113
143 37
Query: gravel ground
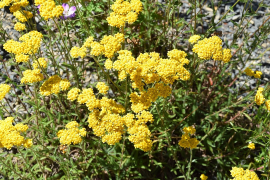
226 26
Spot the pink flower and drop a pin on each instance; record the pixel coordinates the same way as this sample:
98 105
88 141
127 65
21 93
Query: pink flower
68 12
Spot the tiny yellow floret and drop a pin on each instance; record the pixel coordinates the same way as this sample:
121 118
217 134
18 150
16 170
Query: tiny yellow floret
251 146
203 177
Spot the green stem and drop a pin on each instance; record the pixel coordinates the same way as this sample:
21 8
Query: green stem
189 164
10 168
107 75
26 164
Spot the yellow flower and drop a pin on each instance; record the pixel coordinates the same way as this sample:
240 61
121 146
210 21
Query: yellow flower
249 72
186 141
193 39
40 63
64 84
72 134
32 76
203 177
73 94
102 87
4 89
86 95
251 146
19 26
23 16
10 135
191 130
48 9
240 173
50 86
259 99
124 11
258 74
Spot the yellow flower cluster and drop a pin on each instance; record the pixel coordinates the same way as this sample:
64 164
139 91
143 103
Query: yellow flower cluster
4 89
193 39
106 122
150 68
108 46
72 134
10 135
251 146
138 130
30 43
203 177
143 101
211 48
251 73
105 119
76 52
240 173
102 87
73 94
17 4
21 58
23 16
186 141
48 9
4 3
124 11
259 99
32 76
112 44
19 26
54 85
40 63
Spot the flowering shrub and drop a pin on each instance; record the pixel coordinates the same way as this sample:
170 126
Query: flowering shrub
106 91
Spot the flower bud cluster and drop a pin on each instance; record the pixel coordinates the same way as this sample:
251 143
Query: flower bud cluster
259 99
138 130
54 85
48 9
150 68
186 141
251 73
210 48
203 177
40 63
15 5
124 11
102 87
106 121
10 135
251 146
23 15
240 173
108 46
144 100
32 76
72 134
19 26
4 89
30 43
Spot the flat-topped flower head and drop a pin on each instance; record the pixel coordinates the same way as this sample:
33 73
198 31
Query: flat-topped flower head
68 12
4 89
240 173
